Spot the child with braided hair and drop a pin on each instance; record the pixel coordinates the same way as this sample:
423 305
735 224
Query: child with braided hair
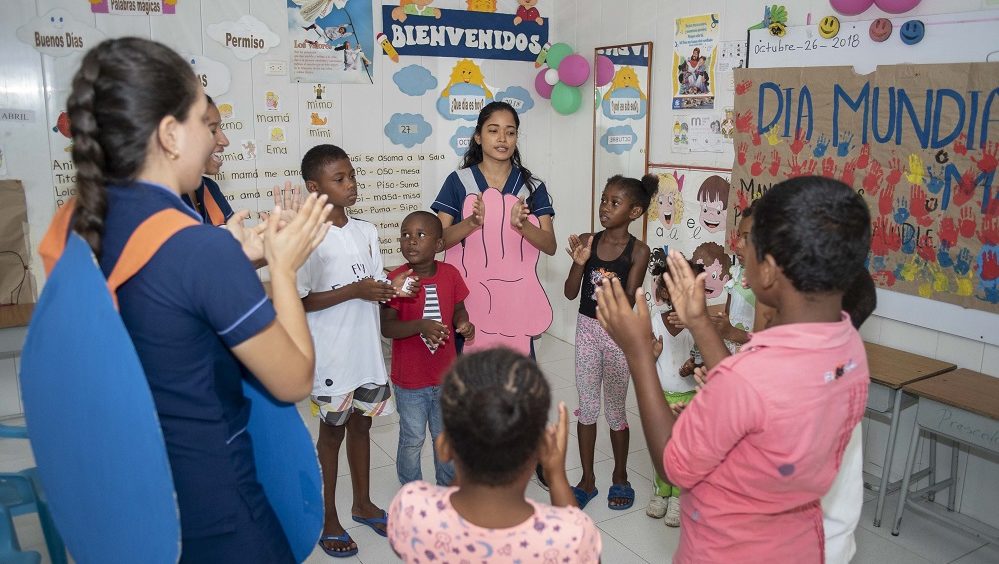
495 405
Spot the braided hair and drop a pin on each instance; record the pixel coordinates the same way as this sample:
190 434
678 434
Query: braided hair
495 408
122 91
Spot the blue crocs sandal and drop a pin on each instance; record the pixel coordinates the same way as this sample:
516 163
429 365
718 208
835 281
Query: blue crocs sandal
373 522
582 497
621 491
344 538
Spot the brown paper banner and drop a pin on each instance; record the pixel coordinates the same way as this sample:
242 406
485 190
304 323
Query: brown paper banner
919 142
17 286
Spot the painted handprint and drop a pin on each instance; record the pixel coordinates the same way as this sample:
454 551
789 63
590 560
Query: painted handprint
916 169
821 146
799 142
744 121
879 244
505 301
909 244
885 200
756 138
741 154
773 138
948 231
872 180
987 162
988 234
901 210
988 264
829 167
967 225
757 168
963 264
965 188
844 145
774 163
917 206
895 164
848 170
743 87
865 156
934 183
960 145
924 248
943 255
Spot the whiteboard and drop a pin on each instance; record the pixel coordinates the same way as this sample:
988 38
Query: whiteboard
946 41
968 37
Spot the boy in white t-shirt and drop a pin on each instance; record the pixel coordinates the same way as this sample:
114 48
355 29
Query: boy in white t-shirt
672 349
341 285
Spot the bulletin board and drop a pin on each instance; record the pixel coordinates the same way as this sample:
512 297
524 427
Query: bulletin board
287 75
913 139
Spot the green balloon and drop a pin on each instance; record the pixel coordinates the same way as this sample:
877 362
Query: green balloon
566 99
556 53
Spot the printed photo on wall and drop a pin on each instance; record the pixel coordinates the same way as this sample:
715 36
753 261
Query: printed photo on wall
688 215
695 57
332 41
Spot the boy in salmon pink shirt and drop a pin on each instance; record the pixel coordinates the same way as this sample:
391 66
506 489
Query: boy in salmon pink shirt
762 441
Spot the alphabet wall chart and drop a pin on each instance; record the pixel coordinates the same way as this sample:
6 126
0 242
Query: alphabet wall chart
917 141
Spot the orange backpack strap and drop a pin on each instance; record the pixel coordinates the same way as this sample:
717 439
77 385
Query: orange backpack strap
215 215
54 240
147 238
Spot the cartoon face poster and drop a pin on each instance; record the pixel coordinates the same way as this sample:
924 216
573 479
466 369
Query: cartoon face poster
688 214
914 141
625 97
695 54
332 41
465 93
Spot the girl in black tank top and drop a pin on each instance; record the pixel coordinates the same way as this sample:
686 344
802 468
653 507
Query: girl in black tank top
597 270
600 364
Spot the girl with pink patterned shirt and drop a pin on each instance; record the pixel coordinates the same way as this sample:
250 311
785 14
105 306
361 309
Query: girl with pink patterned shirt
495 408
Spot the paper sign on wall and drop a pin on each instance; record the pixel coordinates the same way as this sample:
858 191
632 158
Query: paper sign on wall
917 141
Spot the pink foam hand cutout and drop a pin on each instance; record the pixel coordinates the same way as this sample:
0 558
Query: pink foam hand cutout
506 301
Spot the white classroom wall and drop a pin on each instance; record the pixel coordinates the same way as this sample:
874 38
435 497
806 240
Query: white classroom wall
559 150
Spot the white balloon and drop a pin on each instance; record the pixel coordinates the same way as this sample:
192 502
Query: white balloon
551 77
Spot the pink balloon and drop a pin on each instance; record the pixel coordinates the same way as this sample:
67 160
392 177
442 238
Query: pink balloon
851 7
574 70
896 6
605 70
544 89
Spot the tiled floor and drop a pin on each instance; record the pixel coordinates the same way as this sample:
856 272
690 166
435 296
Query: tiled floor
628 536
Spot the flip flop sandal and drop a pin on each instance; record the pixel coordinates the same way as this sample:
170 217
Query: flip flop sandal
621 491
583 497
373 522
344 538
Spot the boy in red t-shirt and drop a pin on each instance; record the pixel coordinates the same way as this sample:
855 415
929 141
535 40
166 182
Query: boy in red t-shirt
422 351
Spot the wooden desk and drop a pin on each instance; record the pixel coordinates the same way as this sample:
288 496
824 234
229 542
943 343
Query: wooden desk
14 321
962 406
891 370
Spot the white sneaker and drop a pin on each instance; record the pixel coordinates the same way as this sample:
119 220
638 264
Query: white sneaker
657 507
672 518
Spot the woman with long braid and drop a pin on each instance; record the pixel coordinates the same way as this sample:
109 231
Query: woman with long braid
196 312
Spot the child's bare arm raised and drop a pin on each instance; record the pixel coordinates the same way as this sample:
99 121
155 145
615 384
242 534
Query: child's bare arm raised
580 248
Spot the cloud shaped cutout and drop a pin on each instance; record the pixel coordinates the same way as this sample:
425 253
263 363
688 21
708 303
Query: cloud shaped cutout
407 129
460 139
619 139
518 97
625 103
464 102
414 80
217 77
246 37
57 34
